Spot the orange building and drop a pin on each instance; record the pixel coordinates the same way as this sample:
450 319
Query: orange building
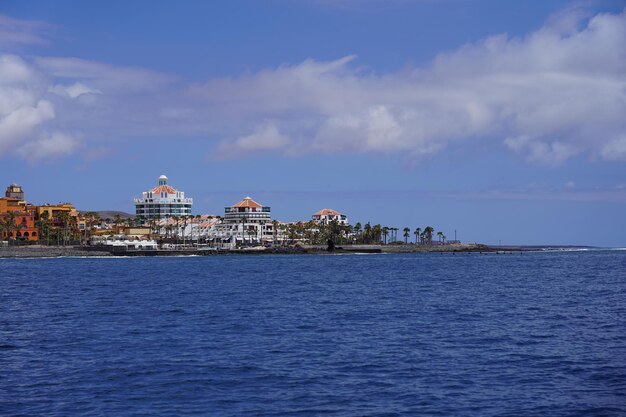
16 222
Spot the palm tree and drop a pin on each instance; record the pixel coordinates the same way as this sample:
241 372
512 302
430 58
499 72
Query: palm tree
385 234
377 233
2 227
130 222
417 233
44 224
9 224
185 219
428 234
367 233
275 230
357 231
407 233
117 220
152 225
176 227
439 234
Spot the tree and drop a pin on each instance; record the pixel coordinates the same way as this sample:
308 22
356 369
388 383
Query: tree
2 227
357 231
377 232
428 234
185 219
417 233
44 226
9 224
117 220
385 234
407 233
275 231
367 233
439 235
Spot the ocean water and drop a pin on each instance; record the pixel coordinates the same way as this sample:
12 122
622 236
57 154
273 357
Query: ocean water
304 335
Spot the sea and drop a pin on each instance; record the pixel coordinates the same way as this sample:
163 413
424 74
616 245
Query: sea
508 334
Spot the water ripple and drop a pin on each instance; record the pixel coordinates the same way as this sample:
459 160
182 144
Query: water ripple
393 335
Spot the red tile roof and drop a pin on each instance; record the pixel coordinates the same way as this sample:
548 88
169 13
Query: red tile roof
163 189
327 212
247 202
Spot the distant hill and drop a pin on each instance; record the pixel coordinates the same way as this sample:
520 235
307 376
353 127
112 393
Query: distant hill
110 214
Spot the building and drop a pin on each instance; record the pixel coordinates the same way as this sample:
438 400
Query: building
161 202
59 222
16 221
56 213
246 223
199 228
329 215
14 191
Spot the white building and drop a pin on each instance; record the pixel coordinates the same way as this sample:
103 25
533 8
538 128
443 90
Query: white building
200 228
328 215
246 223
161 202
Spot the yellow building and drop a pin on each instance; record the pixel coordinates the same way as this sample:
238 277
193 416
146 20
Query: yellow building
57 210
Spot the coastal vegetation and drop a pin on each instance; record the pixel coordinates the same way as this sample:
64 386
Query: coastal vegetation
316 233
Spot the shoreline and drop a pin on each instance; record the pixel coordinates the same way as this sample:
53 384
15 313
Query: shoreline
37 251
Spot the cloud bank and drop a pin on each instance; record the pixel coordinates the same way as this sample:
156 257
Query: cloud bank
554 94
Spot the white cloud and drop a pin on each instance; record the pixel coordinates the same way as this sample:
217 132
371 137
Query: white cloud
105 77
18 32
556 93
73 91
562 87
48 146
265 138
547 152
615 149
20 123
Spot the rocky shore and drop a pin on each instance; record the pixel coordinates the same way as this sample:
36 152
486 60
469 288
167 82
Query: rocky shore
40 251
36 251
409 248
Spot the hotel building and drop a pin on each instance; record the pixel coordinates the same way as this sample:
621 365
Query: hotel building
161 202
246 222
329 215
16 221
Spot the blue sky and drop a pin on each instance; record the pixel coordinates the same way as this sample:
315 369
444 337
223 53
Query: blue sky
504 121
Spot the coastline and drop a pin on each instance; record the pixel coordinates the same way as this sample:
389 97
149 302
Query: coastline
37 251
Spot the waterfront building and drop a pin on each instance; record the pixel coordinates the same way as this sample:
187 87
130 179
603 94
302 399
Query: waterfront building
329 215
55 212
14 191
162 201
200 228
246 223
59 222
16 221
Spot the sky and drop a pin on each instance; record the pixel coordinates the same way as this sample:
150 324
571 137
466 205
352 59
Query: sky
502 122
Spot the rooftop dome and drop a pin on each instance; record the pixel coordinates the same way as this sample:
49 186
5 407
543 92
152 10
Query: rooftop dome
162 180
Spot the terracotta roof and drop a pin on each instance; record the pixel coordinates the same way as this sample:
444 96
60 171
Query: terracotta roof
163 189
327 212
247 202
